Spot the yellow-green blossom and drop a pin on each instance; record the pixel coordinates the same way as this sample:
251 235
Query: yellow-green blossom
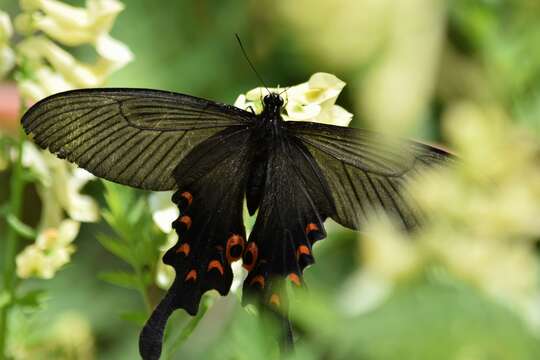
52 250
163 210
53 68
70 334
165 273
314 100
392 52
59 187
68 24
164 213
388 253
49 69
483 212
7 55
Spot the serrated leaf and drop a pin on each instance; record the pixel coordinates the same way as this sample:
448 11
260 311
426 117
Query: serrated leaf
117 248
134 215
123 279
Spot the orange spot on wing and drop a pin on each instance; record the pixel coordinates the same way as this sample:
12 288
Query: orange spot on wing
259 279
302 250
214 264
295 279
187 195
252 250
311 227
184 249
233 241
191 275
275 300
186 220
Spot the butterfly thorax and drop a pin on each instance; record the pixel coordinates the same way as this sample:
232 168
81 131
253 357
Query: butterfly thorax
270 117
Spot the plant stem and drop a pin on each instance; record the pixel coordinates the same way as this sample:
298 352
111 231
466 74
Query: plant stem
16 186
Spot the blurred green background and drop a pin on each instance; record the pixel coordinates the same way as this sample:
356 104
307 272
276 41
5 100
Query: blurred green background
405 62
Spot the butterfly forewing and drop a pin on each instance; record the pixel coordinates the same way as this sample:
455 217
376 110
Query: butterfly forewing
131 136
366 171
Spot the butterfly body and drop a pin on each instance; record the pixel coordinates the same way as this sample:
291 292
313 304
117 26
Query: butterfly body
295 175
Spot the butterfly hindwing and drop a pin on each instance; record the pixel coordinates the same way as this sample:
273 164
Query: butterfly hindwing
130 136
211 185
295 203
366 171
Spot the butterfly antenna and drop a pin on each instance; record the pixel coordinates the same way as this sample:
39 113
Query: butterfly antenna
286 95
250 63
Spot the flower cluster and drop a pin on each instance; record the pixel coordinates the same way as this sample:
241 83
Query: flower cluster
314 100
59 185
52 250
43 67
7 55
484 213
54 69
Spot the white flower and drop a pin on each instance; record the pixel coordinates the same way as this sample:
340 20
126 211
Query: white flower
70 25
32 158
363 292
53 68
7 55
49 253
59 187
33 262
165 273
72 334
68 71
387 252
6 30
46 82
239 275
164 212
310 101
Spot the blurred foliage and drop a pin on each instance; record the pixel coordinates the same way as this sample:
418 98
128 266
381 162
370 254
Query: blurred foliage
406 63
137 242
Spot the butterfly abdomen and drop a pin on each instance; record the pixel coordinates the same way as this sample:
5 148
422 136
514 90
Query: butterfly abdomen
292 210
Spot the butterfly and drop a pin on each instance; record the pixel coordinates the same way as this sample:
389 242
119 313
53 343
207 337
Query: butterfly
295 175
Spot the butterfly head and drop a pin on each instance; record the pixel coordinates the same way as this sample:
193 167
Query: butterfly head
273 104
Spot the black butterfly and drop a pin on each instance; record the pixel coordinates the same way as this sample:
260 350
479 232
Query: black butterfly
296 174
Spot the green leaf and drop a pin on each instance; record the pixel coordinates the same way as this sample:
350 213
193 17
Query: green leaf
123 279
176 344
136 317
117 248
32 299
5 299
137 211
